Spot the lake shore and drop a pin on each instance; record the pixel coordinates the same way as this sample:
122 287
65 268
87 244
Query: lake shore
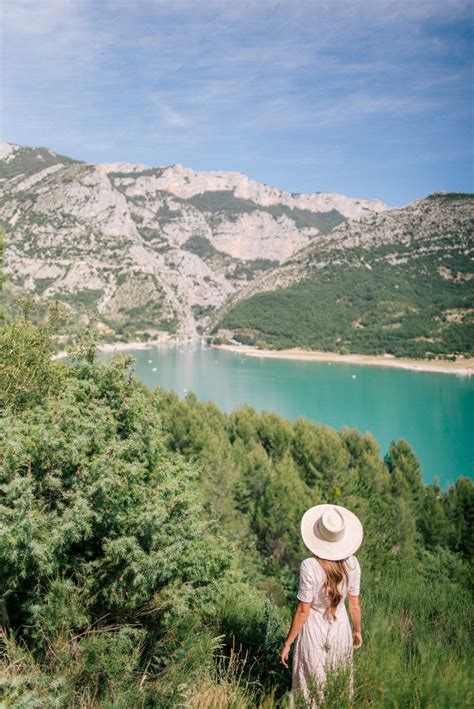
463 367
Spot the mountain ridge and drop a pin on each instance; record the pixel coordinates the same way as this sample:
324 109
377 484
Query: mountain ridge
167 244
399 282
168 251
186 182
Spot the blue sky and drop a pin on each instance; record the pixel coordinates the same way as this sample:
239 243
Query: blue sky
371 98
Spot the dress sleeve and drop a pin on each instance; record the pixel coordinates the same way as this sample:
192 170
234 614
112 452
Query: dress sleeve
353 574
306 587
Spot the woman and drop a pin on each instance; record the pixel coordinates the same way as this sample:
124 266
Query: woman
324 639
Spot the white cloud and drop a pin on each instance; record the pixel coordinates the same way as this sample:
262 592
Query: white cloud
40 17
168 116
98 73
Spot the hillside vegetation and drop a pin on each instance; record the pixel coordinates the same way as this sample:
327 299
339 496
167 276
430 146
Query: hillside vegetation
400 282
149 545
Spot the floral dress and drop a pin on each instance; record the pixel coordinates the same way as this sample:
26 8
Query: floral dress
323 643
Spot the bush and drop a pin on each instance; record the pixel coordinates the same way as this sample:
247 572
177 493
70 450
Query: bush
104 548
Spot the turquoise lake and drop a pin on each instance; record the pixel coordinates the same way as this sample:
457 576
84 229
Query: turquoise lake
433 412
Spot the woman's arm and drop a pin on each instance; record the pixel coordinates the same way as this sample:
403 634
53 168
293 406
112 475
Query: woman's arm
299 619
356 617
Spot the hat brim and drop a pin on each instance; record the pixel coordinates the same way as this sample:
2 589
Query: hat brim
332 551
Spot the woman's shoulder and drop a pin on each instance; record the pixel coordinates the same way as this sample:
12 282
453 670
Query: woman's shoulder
311 567
352 563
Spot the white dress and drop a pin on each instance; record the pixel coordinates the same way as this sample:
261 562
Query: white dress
323 643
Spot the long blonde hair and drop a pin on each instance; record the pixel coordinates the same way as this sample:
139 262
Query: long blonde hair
335 572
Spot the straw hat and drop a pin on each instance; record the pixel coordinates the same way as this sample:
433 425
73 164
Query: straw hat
331 532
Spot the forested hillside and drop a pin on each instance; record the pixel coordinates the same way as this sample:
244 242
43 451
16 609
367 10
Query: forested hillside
150 545
400 282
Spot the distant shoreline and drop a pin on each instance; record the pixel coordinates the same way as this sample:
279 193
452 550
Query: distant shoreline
461 367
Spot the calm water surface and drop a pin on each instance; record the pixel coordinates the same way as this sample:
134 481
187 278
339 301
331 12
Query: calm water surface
433 412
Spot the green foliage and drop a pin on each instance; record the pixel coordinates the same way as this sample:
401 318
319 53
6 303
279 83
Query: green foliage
306 219
447 197
202 311
268 472
168 325
166 215
118 590
27 373
459 507
433 523
2 272
321 456
201 246
148 172
404 469
415 649
222 201
104 549
278 511
366 303
27 161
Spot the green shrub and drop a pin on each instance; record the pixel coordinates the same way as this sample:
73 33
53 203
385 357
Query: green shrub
103 544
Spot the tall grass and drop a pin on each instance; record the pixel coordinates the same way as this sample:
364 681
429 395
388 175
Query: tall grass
416 655
416 651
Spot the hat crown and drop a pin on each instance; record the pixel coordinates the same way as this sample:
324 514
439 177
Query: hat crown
331 525
331 531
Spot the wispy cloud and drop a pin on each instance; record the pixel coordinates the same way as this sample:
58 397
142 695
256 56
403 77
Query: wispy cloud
227 84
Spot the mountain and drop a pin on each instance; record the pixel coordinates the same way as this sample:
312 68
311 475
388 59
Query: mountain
153 249
170 250
398 281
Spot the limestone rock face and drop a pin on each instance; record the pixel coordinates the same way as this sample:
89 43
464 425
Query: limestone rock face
397 283
434 229
152 249
252 236
186 183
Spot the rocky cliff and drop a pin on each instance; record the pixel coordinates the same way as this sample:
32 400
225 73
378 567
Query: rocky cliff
400 281
153 249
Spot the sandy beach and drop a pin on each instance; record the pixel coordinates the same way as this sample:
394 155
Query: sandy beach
462 367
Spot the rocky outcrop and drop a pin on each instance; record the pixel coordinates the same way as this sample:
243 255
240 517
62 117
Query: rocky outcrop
396 282
437 225
152 249
186 183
